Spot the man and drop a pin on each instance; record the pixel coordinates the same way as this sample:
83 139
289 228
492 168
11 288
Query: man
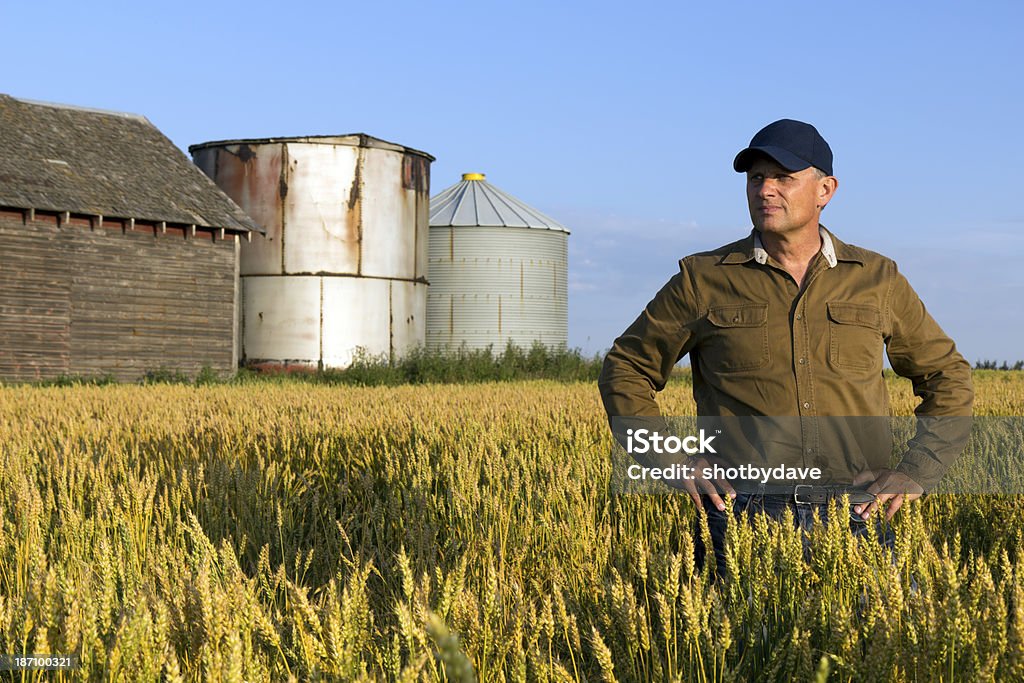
790 321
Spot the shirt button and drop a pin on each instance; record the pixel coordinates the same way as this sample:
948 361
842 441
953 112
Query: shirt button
810 450
736 319
806 404
799 317
802 361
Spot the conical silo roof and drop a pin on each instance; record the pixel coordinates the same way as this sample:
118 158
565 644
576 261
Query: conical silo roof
475 202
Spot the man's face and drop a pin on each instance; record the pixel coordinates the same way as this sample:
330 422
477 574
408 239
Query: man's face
786 202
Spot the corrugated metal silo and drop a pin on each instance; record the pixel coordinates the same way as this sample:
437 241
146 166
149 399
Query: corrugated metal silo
343 264
498 271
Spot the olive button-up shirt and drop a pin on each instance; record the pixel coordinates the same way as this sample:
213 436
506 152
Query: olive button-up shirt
759 344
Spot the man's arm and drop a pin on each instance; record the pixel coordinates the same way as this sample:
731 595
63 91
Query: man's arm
641 359
639 365
919 350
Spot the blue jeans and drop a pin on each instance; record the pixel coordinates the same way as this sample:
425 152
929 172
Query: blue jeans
748 505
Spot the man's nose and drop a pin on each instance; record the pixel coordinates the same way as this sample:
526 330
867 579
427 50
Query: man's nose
767 188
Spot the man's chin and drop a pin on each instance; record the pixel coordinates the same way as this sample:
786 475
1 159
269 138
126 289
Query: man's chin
775 228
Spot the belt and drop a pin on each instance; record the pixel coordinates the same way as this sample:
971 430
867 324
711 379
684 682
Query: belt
806 494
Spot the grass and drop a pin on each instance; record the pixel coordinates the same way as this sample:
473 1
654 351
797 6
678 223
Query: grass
420 366
289 530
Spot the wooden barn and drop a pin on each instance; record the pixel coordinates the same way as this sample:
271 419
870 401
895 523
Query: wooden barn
118 256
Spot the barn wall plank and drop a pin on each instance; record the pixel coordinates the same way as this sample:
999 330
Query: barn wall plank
83 302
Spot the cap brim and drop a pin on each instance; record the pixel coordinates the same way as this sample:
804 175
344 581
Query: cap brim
784 158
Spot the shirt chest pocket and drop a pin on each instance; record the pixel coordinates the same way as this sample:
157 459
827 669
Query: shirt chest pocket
737 338
855 335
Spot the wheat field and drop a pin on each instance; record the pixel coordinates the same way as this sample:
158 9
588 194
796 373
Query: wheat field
280 531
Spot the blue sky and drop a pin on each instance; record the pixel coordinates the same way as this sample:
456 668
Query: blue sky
620 120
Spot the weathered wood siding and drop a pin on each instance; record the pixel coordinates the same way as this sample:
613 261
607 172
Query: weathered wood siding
88 300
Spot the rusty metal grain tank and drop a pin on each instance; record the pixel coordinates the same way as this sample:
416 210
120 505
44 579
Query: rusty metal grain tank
343 264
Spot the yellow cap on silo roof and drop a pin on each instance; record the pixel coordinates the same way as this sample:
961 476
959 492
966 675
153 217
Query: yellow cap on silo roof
474 176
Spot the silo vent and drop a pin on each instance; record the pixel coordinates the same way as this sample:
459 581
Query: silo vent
474 176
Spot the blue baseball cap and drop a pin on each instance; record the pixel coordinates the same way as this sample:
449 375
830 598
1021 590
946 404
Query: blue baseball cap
795 145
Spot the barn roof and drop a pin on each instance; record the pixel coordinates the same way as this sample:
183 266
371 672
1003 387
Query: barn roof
56 157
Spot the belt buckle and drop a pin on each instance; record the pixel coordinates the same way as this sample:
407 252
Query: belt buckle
796 494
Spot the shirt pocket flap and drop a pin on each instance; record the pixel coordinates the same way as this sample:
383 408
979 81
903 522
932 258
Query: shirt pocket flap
846 313
742 315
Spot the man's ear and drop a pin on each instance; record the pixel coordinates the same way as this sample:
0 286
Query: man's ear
826 190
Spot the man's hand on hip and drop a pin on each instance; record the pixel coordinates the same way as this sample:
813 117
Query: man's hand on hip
890 487
712 488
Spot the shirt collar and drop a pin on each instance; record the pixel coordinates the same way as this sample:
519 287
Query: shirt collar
828 249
